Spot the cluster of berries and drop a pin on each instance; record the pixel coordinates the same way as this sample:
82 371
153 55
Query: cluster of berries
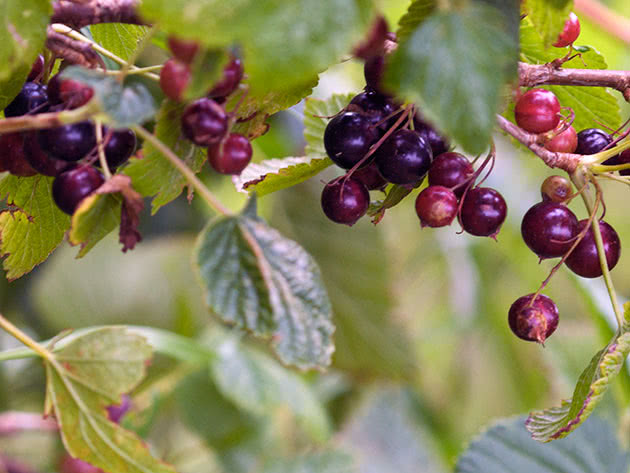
205 121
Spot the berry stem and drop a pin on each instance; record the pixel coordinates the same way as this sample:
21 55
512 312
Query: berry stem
190 176
25 339
48 120
131 61
100 145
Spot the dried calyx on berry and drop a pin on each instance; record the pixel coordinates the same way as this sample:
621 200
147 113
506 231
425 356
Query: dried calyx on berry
533 317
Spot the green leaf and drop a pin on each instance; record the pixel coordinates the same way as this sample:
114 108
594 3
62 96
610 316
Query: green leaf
154 175
418 11
395 194
32 227
95 218
506 446
322 462
263 282
317 113
205 70
84 377
22 35
119 38
548 17
470 50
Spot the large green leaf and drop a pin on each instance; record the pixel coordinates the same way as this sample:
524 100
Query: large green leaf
418 11
32 227
95 218
119 38
548 17
506 446
261 281
322 462
457 81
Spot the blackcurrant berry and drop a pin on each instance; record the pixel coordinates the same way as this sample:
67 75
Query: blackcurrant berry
436 206
592 140
377 107
373 70
12 157
439 144
370 177
537 111
68 142
174 78
549 229
204 122
71 187
570 32
584 260
69 92
33 98
39 159
451 170
348 138
483 212
624 158
119 147
232 76
404 158
565 142
230 156
345 201
555 189
533 321
36 69
183 50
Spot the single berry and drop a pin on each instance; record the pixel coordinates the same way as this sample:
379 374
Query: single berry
533 321
119 147
33 98
204 122
69 92
451 170
345 200
36 69
549 229
232 76
183 50
556 189
592 140
624 158
348 138
436 206
404 158
12 157
570 32
68 142
39 159
373 70
565 142
230 156
174 78
377 107
537 111
116 412
483 212
584 260
439 144
71 187
74 465
370 177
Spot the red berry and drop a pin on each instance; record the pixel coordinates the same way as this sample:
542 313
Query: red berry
584 259
345 201
436 206
71 187
533 321
537 111
204 122
183 50
370 177
174 78
12 157
549 229
230 156
570 32
70 92
483 212
565 142
232 76
451 170
556 189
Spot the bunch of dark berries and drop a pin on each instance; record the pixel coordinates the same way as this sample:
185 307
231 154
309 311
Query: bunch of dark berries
205 121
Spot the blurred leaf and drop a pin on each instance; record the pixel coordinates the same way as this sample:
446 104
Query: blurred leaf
205 70
394 196
119 38
548 17
593 449
322 462
96 216
418 11
317 113
263 282
32 227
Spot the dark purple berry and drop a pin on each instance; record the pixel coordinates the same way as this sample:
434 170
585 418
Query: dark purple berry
345 201
439 144
115 412
12 157
183 50
69 92
373 70
39 159
370 177
584 260
436 206
204 122
483 212
68 142
36 69
537 111
348 138
592 140
556 189
174 78
377 107
232 76
624 158
71 187
570 32
33 98
230 156
451 170
533 321
119 147
549 229
404 158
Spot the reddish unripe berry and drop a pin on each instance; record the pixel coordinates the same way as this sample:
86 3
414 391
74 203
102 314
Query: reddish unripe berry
584 259
370 177
71 187
556 189
70 92
537 111
570 32
230 156
451 170
183 50
565 142
533 321
41 161
36 69
232 76
174 78
483 212
345 201
12 157
549 229
204 122
436 206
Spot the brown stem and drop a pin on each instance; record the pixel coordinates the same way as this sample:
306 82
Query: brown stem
604 17
47 120
79 14
72 50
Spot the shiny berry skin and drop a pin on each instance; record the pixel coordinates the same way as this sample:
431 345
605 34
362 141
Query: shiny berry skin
204 122
565 142
12 157
584 260
71 187
232 76
345 201
119 147
436 206
69 92
569 33
39 159
377 107
404 158
370 177
174 78
483 212
373 70
537 111
439 144
623 158
68 142
592 140
534 322
555 189
36 69
348 138
230 156
451 170
549 229
183 50
33 98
